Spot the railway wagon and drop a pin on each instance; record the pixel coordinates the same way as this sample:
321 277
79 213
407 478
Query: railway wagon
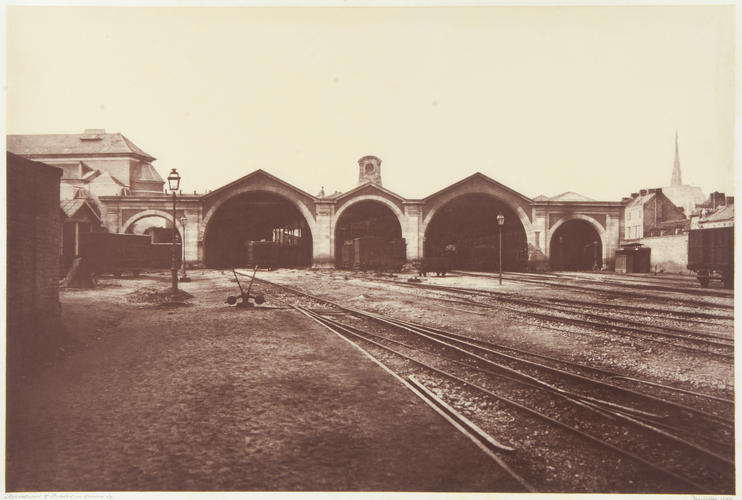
274 254
373 253
263 254
438 265
711 254
116 253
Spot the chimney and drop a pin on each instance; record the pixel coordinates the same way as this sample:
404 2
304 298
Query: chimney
625 200
643 192
730 200
92 134
651 190
658 190
634 195
717 199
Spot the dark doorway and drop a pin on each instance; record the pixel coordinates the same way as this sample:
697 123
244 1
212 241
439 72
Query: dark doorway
257 228
575 246
466 230
368 235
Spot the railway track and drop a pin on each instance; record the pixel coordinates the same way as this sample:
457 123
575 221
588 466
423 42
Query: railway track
612 292
681 338
667 440
687 286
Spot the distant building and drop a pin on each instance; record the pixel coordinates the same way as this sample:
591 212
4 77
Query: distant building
682 195
646 211
34 226
717 212
94 164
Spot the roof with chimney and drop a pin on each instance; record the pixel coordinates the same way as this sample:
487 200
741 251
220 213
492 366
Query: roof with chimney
93 142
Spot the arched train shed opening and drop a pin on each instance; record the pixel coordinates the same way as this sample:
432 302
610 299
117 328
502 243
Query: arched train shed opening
575 246
257 229
368 236
466 230
160 230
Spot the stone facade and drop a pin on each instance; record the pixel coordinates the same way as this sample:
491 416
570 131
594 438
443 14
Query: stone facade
34 226
139 196
668 253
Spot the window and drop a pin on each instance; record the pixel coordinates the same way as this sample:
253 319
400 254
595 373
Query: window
538 243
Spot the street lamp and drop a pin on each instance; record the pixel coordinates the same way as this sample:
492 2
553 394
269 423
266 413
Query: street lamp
183 221
500 223
173 182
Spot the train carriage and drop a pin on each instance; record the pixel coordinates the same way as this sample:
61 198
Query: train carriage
711 254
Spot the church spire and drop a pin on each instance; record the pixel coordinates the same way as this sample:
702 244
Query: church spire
677 179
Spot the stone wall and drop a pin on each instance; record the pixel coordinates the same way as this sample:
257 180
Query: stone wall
669 253
34 231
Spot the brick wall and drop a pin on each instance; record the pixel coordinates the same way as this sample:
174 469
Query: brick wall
669 253
34 225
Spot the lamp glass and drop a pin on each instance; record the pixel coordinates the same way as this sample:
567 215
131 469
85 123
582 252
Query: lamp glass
500 219
173 180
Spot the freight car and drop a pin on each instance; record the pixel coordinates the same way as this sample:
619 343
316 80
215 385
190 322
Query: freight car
373 253
274 254
438 265
118 253
711 254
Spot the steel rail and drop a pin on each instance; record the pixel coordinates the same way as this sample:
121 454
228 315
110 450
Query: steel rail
576 376
676 389
515 372
573 398
644 338
603 371
626 284
484 445
536 413
617 410
459 417
520 300
578 399
580 322
674 300
611 386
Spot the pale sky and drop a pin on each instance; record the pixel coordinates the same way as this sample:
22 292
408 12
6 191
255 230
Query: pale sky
541 99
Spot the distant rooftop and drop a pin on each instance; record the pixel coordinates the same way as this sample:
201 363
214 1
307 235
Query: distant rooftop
90 142
566 196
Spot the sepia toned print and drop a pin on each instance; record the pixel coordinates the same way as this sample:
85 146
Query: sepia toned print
370 249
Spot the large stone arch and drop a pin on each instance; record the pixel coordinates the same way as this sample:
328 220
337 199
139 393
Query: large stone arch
215 207
400 216
285 193
437 203
602 232
151 213
371 197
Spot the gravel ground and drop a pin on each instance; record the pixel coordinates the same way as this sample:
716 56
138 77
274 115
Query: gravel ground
636 358
205 397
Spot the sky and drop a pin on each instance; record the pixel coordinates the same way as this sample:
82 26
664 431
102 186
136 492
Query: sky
543 99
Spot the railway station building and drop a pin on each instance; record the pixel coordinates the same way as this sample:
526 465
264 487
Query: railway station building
260 212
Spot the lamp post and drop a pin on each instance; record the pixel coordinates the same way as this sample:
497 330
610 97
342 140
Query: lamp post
500 223
183 221
173 181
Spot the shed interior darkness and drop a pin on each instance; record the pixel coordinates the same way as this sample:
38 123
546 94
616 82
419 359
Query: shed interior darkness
366 218
575 246
466 229
257 216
